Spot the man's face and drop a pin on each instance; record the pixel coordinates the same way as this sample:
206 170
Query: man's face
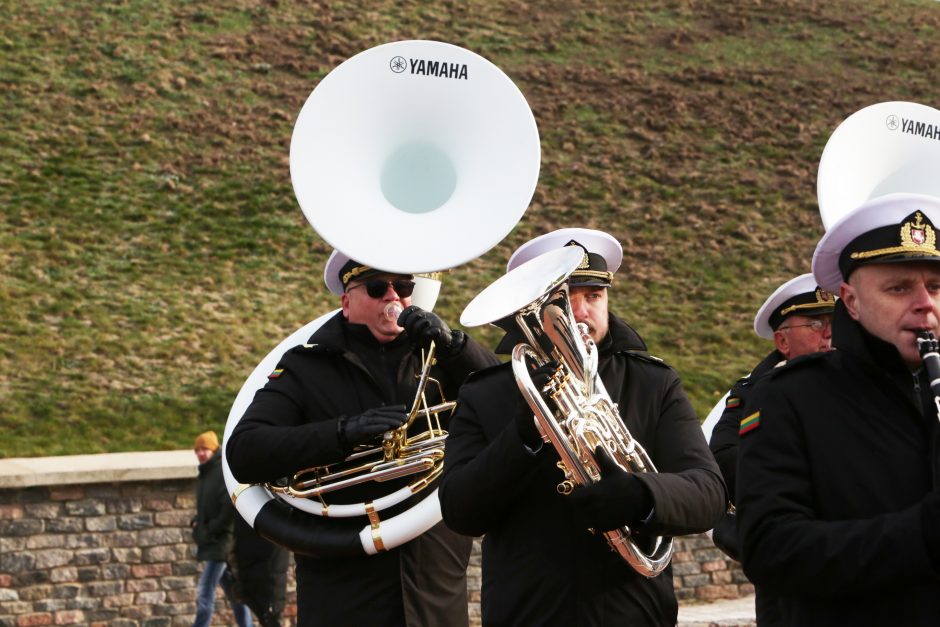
799 335
204 454
589 305
894 301
361 308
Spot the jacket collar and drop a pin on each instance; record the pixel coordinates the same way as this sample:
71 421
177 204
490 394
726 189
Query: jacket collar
621 337
768 363
851 338
879 359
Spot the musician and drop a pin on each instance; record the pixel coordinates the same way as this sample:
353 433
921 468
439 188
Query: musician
797 317
350 383
541 564
837 495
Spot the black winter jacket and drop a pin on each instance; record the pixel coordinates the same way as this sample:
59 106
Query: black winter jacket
215 514
539 566
291 424
832 484
724 440
724 445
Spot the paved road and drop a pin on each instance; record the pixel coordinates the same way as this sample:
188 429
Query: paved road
726 613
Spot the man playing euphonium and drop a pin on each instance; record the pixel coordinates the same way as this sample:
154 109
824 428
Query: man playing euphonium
541 563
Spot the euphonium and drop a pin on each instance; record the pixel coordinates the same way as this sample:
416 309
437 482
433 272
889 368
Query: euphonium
573 411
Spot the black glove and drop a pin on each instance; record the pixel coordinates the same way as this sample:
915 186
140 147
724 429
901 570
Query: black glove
525 419
618 499
353 430
423 327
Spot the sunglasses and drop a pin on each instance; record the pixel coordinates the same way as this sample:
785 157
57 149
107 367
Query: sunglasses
376 288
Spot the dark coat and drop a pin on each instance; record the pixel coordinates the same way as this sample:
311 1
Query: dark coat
539 566
724 439
831 485
215 514
291 424
724 445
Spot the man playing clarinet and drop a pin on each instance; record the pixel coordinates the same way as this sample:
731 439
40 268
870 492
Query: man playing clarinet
838 489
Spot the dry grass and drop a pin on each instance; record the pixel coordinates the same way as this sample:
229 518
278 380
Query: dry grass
153 252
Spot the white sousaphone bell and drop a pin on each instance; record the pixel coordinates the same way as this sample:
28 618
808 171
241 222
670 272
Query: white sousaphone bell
414 157
885 148
392 154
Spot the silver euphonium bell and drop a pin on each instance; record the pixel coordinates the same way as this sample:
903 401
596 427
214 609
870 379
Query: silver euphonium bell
573 411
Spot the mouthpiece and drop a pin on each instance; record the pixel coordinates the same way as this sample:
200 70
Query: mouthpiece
393 310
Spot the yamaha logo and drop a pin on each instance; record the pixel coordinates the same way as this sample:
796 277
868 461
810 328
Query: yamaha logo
398 64
429 67
892 122
922 129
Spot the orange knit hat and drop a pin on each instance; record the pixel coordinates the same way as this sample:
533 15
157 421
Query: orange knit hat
207 440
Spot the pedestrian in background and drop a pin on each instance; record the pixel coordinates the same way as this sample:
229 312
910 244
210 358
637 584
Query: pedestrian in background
212 529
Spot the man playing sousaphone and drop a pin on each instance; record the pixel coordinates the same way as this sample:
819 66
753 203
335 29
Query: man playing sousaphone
349 384
541 564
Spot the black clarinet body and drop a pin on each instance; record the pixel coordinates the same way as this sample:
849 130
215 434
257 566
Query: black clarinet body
929 349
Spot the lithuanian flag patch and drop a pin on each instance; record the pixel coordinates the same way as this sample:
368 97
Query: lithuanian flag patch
733 401
750 423
276 373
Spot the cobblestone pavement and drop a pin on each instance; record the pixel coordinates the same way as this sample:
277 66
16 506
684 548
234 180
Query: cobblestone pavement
725 613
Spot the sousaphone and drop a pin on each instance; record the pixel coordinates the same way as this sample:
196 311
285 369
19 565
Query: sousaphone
885 148
414 157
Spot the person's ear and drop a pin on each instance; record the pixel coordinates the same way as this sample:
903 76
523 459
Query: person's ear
782 344
849 297
345 303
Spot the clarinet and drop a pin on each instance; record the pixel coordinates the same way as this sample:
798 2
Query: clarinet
929 349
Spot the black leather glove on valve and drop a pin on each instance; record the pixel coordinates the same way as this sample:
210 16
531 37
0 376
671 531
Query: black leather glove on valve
524 419
424 327
618 499
353 430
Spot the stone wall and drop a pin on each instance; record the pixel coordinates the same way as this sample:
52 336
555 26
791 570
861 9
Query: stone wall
702 572
105 540
105 554
101 540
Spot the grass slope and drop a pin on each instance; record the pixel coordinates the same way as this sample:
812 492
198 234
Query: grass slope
153 252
